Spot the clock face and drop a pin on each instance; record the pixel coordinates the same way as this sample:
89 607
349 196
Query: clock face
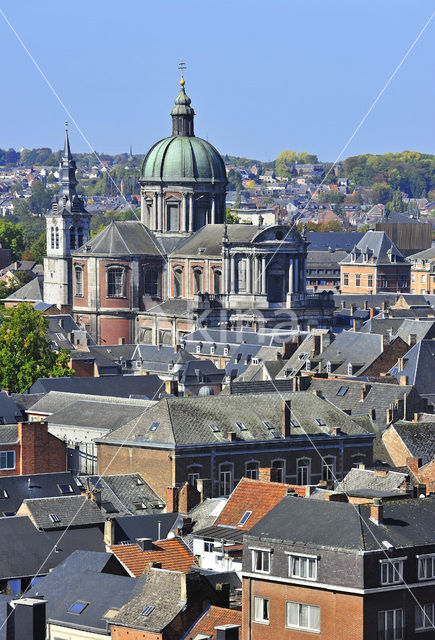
53 221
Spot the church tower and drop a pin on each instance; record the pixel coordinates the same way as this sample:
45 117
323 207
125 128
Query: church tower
68 228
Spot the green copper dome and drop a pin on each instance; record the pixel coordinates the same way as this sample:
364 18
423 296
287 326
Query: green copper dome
183 159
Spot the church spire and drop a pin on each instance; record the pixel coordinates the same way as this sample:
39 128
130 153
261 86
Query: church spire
182 114
67 197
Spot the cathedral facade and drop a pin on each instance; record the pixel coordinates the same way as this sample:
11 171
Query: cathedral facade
181 266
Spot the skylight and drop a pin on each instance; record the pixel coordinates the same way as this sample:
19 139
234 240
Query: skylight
139 481
342 391
214 428
53 517
78 607
154 426
244 518
3 493
267 424
241 426
148 610
65 488
320 422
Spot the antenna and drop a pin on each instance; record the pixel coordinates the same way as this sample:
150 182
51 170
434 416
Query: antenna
182 66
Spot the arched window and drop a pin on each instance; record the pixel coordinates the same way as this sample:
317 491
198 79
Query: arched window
193 473
151 284
225 479
115 282
251 469
197 280
358 460
72 238
178 282
217 280
328 468
79 237
278 473
78 278
52 237
303 471
57 237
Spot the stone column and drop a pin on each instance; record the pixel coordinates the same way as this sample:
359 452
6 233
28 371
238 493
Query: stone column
162 212
232 274
213 210
290 276
302 274
263 274
296 275
255 283
190 212
248 274
183 225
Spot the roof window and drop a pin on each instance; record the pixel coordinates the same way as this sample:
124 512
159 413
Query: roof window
214 428
139 481
154 426
3 493
320 422
148 610
65 488
244 518
78 607
241 426
53 517
342 391
267 424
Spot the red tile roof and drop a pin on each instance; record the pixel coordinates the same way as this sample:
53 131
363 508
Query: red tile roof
213 617
252 495
173 555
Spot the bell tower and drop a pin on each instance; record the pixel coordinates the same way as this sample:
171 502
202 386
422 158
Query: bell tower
68 228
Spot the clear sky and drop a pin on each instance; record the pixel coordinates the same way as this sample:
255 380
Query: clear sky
263 75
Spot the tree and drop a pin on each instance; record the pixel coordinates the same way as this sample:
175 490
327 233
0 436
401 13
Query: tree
231 217
25 352
397 203
41 197
238 200
39 248
11 237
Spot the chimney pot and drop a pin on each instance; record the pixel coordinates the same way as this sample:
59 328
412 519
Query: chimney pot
377 511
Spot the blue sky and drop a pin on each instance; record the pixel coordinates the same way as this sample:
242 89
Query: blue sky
263 76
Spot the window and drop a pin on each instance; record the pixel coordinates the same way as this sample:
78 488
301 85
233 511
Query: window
197 280
3 494
426 567
346 279
226 350
208 546
115 282
65 488
302 616
193 474
217 279
54 518
425 617
151 283
245 517
79 237
212 350
255 361
390 625
357 461
52 237
78 275
303 567
198 348
57 237
260 561
303 471
328 468
391 571
278 467
7 459
342 391
240 426
154 426
78 607
357 280
423 279
370 281
148 610
308 365
72 238
241 275
178 283
225 479
261 610
251 470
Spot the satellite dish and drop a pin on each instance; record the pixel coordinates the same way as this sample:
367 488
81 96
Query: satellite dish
170 535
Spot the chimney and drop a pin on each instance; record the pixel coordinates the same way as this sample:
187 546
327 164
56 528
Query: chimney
26 619
171 387
352 309
95 496
381 473
372 312
145 544
285 418
177 348
364 391
400 365
377 511
109 532
227 632
366 305
171 500
232 436
354 324
336 431
415 418
390 416
264 474
203 485
121 340
412 339
317 345
403 381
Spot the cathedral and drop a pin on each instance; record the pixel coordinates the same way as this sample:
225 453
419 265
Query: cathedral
181 267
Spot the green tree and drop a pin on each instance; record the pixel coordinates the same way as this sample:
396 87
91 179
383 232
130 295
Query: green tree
231 217
41 197
397 203
238 200
39 248
25 352
11 237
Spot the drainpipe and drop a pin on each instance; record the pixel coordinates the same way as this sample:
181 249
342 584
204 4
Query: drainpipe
249 609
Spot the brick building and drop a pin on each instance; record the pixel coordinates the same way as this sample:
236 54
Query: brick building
375 265
423 272
372 576
220 439
29 448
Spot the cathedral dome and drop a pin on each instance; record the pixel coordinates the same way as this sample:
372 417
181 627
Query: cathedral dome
183 159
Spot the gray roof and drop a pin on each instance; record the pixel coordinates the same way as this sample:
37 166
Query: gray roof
9 411
30 292
419 439
121 493
336 240
87 414
156 526
376 245
210 236
38 485
314 523
72 512
55 401
184 421
204 515
418 366
8 434
383 480
427 254
358 349
162 590
129 238
148 387
221 532
89 578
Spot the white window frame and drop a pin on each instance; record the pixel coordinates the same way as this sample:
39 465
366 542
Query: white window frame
261 553
5 466
308 467
208 546
427 612
231 477
262 619
253 474
426 561
310 615
394 633
326 465
193 473
297 561
392 571
281 468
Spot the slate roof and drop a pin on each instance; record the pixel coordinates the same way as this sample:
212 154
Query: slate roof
338 240
151 525
9 434
72 511
120 494
204 515
421 329
172 554
378 246
26 400
38 485
359 349
384 480
147 387
418 366
251 495
29 551
162 590
87 414
427 254
213 617
184 421
9 411
128 238
419 439
84 577
30 292
56 401
314 523
210 236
